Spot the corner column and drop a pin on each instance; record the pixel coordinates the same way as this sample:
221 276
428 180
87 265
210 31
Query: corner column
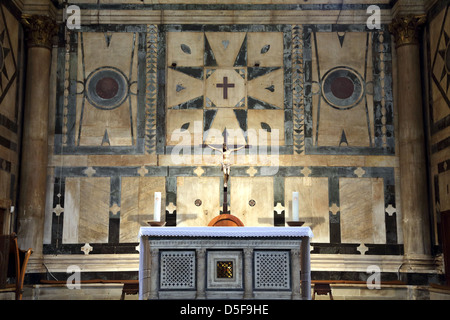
411 138
39 31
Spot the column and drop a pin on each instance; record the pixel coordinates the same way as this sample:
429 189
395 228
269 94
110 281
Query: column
411 139
305 266
144 267
39 31
248 273
295 273
201 271
154 274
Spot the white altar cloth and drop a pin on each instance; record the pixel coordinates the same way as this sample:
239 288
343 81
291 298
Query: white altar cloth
239 232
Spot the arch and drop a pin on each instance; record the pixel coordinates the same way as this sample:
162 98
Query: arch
225 220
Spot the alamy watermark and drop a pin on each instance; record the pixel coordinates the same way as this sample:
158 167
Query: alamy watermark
262 146
74 280
374 20
374 279
72 15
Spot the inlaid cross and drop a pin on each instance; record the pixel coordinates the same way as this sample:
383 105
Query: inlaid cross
225 85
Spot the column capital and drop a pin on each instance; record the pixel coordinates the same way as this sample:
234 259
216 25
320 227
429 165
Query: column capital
40 30
405 29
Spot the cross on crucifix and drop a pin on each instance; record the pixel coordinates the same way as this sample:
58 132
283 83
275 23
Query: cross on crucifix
225 85
226 164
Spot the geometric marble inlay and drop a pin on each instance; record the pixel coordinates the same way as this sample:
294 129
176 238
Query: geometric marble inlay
272 270
177 270
223 80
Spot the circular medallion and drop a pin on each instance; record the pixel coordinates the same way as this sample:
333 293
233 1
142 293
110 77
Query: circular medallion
107 88
252 203
198 202
342 88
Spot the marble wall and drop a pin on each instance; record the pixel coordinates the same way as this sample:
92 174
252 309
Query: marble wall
11 53
137 104
438 111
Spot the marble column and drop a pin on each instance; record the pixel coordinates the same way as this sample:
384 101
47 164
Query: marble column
39 33
154 269
201 271
411 139
295 273
248 273
305 269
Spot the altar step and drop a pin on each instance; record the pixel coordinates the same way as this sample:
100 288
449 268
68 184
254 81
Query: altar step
87 291
340 291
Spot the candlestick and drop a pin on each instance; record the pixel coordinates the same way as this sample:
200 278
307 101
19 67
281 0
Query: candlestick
157 210
295 206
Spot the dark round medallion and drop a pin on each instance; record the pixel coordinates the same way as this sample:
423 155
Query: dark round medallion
198 202
107 88
342 88
252 203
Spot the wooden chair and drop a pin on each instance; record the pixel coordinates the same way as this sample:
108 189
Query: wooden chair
129 287
17 266
322 289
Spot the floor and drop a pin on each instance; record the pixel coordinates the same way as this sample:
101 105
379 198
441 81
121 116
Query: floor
339 292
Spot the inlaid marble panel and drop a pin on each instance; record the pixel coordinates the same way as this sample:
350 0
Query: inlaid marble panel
313 204
101 106
444 191
184 127
185 49
9 71
342 64
86 212
10 103
438 35
362 210
235 78
243 190
440 65
5 184
104 114
137 204
189 189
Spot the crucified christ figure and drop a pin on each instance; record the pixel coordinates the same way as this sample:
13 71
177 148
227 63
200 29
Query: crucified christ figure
226 163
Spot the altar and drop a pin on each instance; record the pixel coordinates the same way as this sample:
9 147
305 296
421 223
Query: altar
224 263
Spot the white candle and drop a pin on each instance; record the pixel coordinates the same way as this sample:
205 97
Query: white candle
157 211
295 206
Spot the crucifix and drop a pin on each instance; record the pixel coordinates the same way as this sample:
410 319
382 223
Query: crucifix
225 85
226 164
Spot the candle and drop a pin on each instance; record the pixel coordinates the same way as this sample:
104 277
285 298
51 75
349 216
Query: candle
295 206
157 211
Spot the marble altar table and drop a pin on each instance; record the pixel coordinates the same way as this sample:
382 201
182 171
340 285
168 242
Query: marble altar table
224 263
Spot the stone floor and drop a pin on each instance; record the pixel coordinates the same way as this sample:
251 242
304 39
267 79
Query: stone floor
339 291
